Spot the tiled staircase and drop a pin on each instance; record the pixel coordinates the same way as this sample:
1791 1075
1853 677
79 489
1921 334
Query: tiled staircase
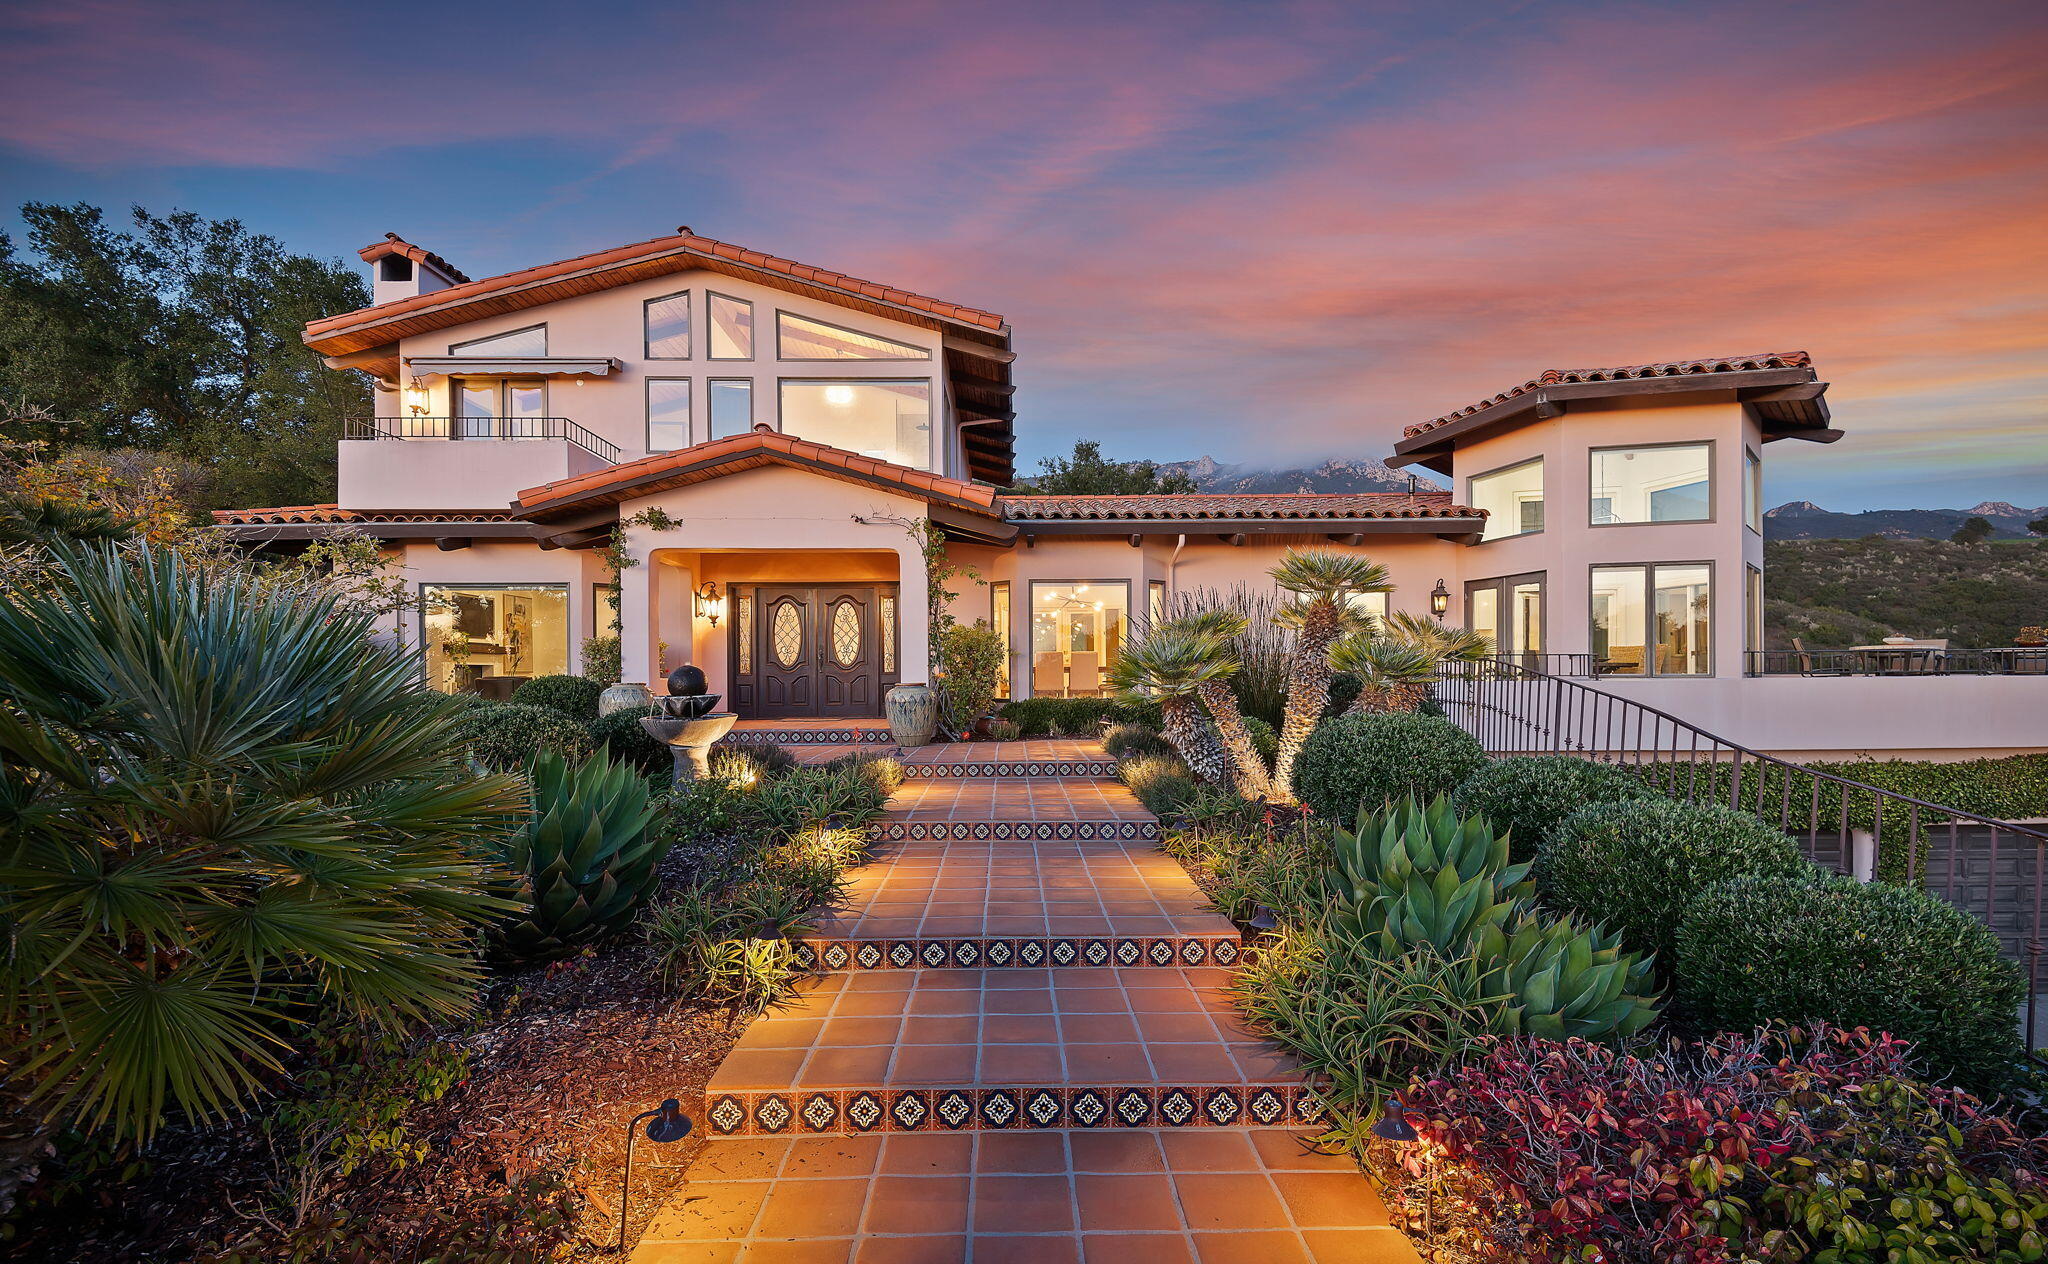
1020 977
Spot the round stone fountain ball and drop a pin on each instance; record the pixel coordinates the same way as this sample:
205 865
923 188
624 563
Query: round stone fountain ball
687 681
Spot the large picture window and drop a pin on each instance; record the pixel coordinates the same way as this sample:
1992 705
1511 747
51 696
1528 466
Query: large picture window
491 638
1653 620
668 327
887 420
668 413
732 328
529 342
1753 491
1671 482
1078 627
1512 499
801 338
499 408
999 620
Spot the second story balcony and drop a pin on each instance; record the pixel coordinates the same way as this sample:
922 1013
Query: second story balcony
460 462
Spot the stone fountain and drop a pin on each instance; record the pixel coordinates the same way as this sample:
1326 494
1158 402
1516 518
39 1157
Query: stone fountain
686 722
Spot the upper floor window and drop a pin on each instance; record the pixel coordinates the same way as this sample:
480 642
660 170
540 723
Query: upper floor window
668 413
1753 491
732 406
887 420
1670 482
520 343
801 338
668 327
1512 499
499 408
732 328
1653 620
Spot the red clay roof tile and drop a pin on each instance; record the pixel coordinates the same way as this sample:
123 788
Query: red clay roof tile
1668 368
1254 506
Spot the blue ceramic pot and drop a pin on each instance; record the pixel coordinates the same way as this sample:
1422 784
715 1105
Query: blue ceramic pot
913 714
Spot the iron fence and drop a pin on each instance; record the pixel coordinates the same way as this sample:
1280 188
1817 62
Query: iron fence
1992 869
481 428
1905 660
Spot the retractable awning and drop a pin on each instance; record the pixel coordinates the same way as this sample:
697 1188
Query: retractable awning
513 366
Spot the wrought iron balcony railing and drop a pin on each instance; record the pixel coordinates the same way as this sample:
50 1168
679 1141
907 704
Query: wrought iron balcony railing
481 428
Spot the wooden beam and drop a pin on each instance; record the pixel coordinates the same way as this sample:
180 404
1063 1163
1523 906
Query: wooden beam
1546 409
450 543
1135 540
586 537
1777 394
1234 541
986 385
1354 539
986 414
980 350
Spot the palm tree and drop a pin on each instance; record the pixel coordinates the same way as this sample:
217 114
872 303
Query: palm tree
1444 644
1398 666
226 810
1169 664
1325 581
1216 631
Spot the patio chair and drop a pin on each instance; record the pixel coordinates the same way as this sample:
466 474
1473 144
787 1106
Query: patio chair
1936 657
1807 666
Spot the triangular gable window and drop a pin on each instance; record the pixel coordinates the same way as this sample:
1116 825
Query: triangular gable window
532 341
800 338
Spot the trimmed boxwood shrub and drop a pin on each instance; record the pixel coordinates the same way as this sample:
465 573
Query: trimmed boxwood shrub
1636 865
1526 796
1122 740
1353 762
573 696
620 734
1036 717
1890 958
500 735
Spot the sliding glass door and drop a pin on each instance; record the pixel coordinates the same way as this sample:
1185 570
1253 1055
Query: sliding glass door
1510 610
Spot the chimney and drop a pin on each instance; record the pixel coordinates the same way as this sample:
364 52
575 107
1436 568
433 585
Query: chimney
1412 481
399 269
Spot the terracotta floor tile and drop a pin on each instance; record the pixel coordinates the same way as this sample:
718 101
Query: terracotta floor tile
739 1159
1228 1201
998 1153
1165 1027
1192 1064
919 1029
1136 1248
687 1252
815 1251
1127 1151
918 1205
814 1158
1131 1203
1285 1151
1022 1204
918 1250
1022 1064
708 1209
1360 1246
1250 1248
1330 1200
1108 1064
813 1209
881 1030
1019 1250
1018 1029
859 1067
1209 1150
1098 1028
758 1068
927 1153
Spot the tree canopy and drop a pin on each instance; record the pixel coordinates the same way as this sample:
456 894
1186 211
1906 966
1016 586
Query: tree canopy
178 336
1088 473
1973 531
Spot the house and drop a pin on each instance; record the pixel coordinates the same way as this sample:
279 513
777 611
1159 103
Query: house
775 443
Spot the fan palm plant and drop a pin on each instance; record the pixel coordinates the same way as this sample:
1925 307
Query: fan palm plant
1325 582
1216 632
1393 675
225 807
1169 664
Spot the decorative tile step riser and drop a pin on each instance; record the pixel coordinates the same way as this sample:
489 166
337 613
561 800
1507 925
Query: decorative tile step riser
1006 768
836 956
810 737
844 1112
1017 831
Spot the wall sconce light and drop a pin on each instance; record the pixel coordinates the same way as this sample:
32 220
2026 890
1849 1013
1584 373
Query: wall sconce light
416 397
1439 599
710 605
665 1123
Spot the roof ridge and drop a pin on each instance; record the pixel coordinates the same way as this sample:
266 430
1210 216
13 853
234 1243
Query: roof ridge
1701 366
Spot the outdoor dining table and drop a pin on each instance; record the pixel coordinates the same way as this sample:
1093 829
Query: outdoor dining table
1897 660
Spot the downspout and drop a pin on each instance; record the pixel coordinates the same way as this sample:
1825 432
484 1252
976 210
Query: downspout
1172 588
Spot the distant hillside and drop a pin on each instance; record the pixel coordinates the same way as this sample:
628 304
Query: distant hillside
1833 593
1804 520
1330 476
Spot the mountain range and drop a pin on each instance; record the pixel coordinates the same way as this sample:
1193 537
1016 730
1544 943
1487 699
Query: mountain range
1797 520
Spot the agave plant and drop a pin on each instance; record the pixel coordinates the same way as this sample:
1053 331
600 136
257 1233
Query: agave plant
1326 582
1415 875
225 807
1170 664
585 857
1565 979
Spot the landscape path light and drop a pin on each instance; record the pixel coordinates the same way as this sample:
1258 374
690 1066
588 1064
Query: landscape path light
1393 1125
665 1123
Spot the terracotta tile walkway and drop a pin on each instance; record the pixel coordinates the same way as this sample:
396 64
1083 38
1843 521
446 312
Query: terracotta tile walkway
1083 1091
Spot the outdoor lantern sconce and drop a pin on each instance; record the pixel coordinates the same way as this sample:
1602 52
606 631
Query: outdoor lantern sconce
1439 599
416 397
710 605
665 1123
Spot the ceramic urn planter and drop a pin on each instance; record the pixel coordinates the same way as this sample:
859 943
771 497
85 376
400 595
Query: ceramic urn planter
624 697
913 714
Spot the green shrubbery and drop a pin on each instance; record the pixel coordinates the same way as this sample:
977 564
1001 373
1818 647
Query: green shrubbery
1526 796
1891 958
620 735
970 665
503 735
1125 740
574 696
1354 763
1635 866
1077 717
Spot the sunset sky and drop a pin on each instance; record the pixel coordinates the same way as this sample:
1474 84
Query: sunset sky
1268 232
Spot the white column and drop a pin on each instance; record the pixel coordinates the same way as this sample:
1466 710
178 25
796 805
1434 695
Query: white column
913 615
638 586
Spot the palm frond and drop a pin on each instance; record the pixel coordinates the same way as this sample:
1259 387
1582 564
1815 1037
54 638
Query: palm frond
1328 575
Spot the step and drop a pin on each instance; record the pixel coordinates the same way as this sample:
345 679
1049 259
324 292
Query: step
848 734
834 956
1047 1197
973 1050
1028 758
1049 809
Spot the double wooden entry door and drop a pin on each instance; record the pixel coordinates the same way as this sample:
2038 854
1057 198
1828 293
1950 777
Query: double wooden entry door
812 650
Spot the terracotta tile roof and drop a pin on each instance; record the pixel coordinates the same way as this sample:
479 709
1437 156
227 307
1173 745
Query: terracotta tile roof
393 244
705 461
1668 368
1255 506
682 240
330 514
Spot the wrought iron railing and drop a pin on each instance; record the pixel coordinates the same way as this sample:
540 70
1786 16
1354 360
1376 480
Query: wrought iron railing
1904 660
481 428
1993 869
1571 665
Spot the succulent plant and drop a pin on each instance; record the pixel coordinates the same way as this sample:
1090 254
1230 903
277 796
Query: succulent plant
1415 875
585 858
1563 978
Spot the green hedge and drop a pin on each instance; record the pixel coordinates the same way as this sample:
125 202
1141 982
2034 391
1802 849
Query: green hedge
1354 762
1123 740
1891 958
1637 865
573 696
1525 797
1036 717
500 735
620 734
